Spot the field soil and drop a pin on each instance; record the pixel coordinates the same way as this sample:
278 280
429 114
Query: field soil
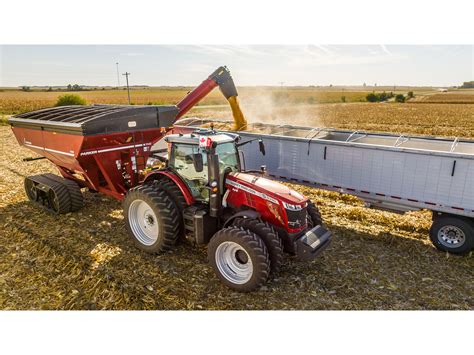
378 260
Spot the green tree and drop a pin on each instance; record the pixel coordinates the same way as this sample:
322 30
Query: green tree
372 97
468 85
400 98
70 99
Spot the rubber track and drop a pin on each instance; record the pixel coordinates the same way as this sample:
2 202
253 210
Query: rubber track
59 189
255 243
169 216
77 199
272 241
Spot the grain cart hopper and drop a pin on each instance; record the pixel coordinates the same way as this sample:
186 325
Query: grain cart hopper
200 193
387 171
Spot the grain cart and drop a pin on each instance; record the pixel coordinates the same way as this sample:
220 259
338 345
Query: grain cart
388 171
201 192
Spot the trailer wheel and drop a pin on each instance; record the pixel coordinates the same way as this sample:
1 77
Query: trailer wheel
314 216
269 236
452 234
152 219
239 258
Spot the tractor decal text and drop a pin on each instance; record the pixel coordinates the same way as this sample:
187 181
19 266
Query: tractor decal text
250 191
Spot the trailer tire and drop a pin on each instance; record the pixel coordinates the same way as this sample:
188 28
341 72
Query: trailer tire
152 218
271 238
314 216
239 258
452 234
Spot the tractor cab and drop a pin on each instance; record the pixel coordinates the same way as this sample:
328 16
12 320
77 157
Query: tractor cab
202 159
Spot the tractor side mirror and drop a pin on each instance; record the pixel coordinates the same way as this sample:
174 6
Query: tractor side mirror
261 146
198 162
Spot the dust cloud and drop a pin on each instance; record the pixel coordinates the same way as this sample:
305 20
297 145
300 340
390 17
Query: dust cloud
276 108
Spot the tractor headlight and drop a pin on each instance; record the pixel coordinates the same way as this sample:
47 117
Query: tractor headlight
291 207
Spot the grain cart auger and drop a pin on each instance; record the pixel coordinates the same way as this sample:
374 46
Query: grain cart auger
200 191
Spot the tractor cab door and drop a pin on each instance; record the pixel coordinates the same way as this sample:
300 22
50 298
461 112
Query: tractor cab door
182 161
229 161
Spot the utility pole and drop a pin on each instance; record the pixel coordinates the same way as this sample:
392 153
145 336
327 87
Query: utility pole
118 76
128 87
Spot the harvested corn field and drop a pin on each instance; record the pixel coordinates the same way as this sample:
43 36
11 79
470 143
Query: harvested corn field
85 260
449 120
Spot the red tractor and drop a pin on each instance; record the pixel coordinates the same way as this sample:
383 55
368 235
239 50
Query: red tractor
247 219
201 193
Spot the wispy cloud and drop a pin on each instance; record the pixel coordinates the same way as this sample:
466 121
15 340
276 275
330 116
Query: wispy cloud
132 54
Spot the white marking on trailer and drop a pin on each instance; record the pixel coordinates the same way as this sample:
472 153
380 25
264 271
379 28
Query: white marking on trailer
59 152
251 191
50 150
90 152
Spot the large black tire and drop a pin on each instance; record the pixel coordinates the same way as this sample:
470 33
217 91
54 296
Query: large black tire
269 236
452 234
314 216
229 253
176 195
154 225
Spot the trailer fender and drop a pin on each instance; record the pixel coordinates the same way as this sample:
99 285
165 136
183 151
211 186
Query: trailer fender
173 177
247 214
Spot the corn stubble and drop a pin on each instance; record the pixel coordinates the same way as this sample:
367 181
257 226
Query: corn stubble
378 260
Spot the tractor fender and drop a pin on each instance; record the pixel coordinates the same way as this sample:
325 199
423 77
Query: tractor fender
155 175
247 213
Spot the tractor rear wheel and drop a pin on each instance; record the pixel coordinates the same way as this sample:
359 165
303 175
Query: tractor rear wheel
152 218
239 258
176 195
269 236
314 216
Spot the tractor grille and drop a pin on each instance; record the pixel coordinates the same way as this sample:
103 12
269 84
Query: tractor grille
296 219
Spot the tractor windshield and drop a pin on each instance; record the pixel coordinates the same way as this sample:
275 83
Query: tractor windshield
228 158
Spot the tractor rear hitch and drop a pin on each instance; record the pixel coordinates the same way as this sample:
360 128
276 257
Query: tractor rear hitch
312 243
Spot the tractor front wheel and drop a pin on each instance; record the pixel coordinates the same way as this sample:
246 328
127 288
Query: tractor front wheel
152 219
239 258
271 238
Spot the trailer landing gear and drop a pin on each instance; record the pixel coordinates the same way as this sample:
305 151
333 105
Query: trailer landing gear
54 193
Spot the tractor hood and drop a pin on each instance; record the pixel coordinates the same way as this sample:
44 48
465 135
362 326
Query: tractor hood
269 187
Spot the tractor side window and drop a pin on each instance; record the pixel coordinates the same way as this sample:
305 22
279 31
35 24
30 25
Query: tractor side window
182 161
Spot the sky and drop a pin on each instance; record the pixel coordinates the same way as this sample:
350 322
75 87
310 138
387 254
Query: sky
157 65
